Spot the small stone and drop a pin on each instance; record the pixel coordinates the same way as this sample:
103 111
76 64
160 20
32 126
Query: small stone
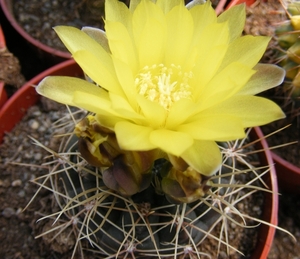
16 183
21 194
256 208
42 129
8 212
38 157
34 124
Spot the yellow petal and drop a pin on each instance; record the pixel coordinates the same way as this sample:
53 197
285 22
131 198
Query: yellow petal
215 35
133 4
236 17
151 45
251 110
98 35
204 156
75 40
172 142
121 105
121 44
117 11
203 15
149 29
133 137
204 71
213 126
153 111
62 88
168 5
226 83
179 113
247 50
180 32
108 121
211 52
266 77
97 103
98 71
126 80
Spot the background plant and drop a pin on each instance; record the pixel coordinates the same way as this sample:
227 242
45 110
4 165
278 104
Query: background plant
287 35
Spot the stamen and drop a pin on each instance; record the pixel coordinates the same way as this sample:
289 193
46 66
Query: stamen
164 85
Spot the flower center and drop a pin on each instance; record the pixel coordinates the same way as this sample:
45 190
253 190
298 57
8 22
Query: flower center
164 85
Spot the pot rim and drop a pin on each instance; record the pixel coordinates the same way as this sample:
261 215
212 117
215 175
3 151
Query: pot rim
288 165
270 214
16 106
288 174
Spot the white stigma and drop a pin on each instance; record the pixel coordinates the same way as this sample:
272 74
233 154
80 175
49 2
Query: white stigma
164 85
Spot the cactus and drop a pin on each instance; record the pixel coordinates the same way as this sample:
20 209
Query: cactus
154 222
287 35
148 173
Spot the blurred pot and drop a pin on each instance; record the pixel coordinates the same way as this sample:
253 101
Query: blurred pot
16 107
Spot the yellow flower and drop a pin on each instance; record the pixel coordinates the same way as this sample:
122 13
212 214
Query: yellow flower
171 77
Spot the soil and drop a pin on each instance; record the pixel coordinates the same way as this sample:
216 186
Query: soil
18 228
20 163
38 17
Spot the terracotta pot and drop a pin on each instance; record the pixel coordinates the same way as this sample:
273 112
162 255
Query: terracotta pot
43 50
288 174
3 95
270 208
15 108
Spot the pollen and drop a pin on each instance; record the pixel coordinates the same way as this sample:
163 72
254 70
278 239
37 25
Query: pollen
163 84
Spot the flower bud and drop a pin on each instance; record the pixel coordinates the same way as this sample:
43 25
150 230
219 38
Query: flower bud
97 145
184 186
130 172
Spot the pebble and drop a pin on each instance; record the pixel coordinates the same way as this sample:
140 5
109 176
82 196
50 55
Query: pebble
16 183
42 129
34 124
38 157
21 194
256 208
8 212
